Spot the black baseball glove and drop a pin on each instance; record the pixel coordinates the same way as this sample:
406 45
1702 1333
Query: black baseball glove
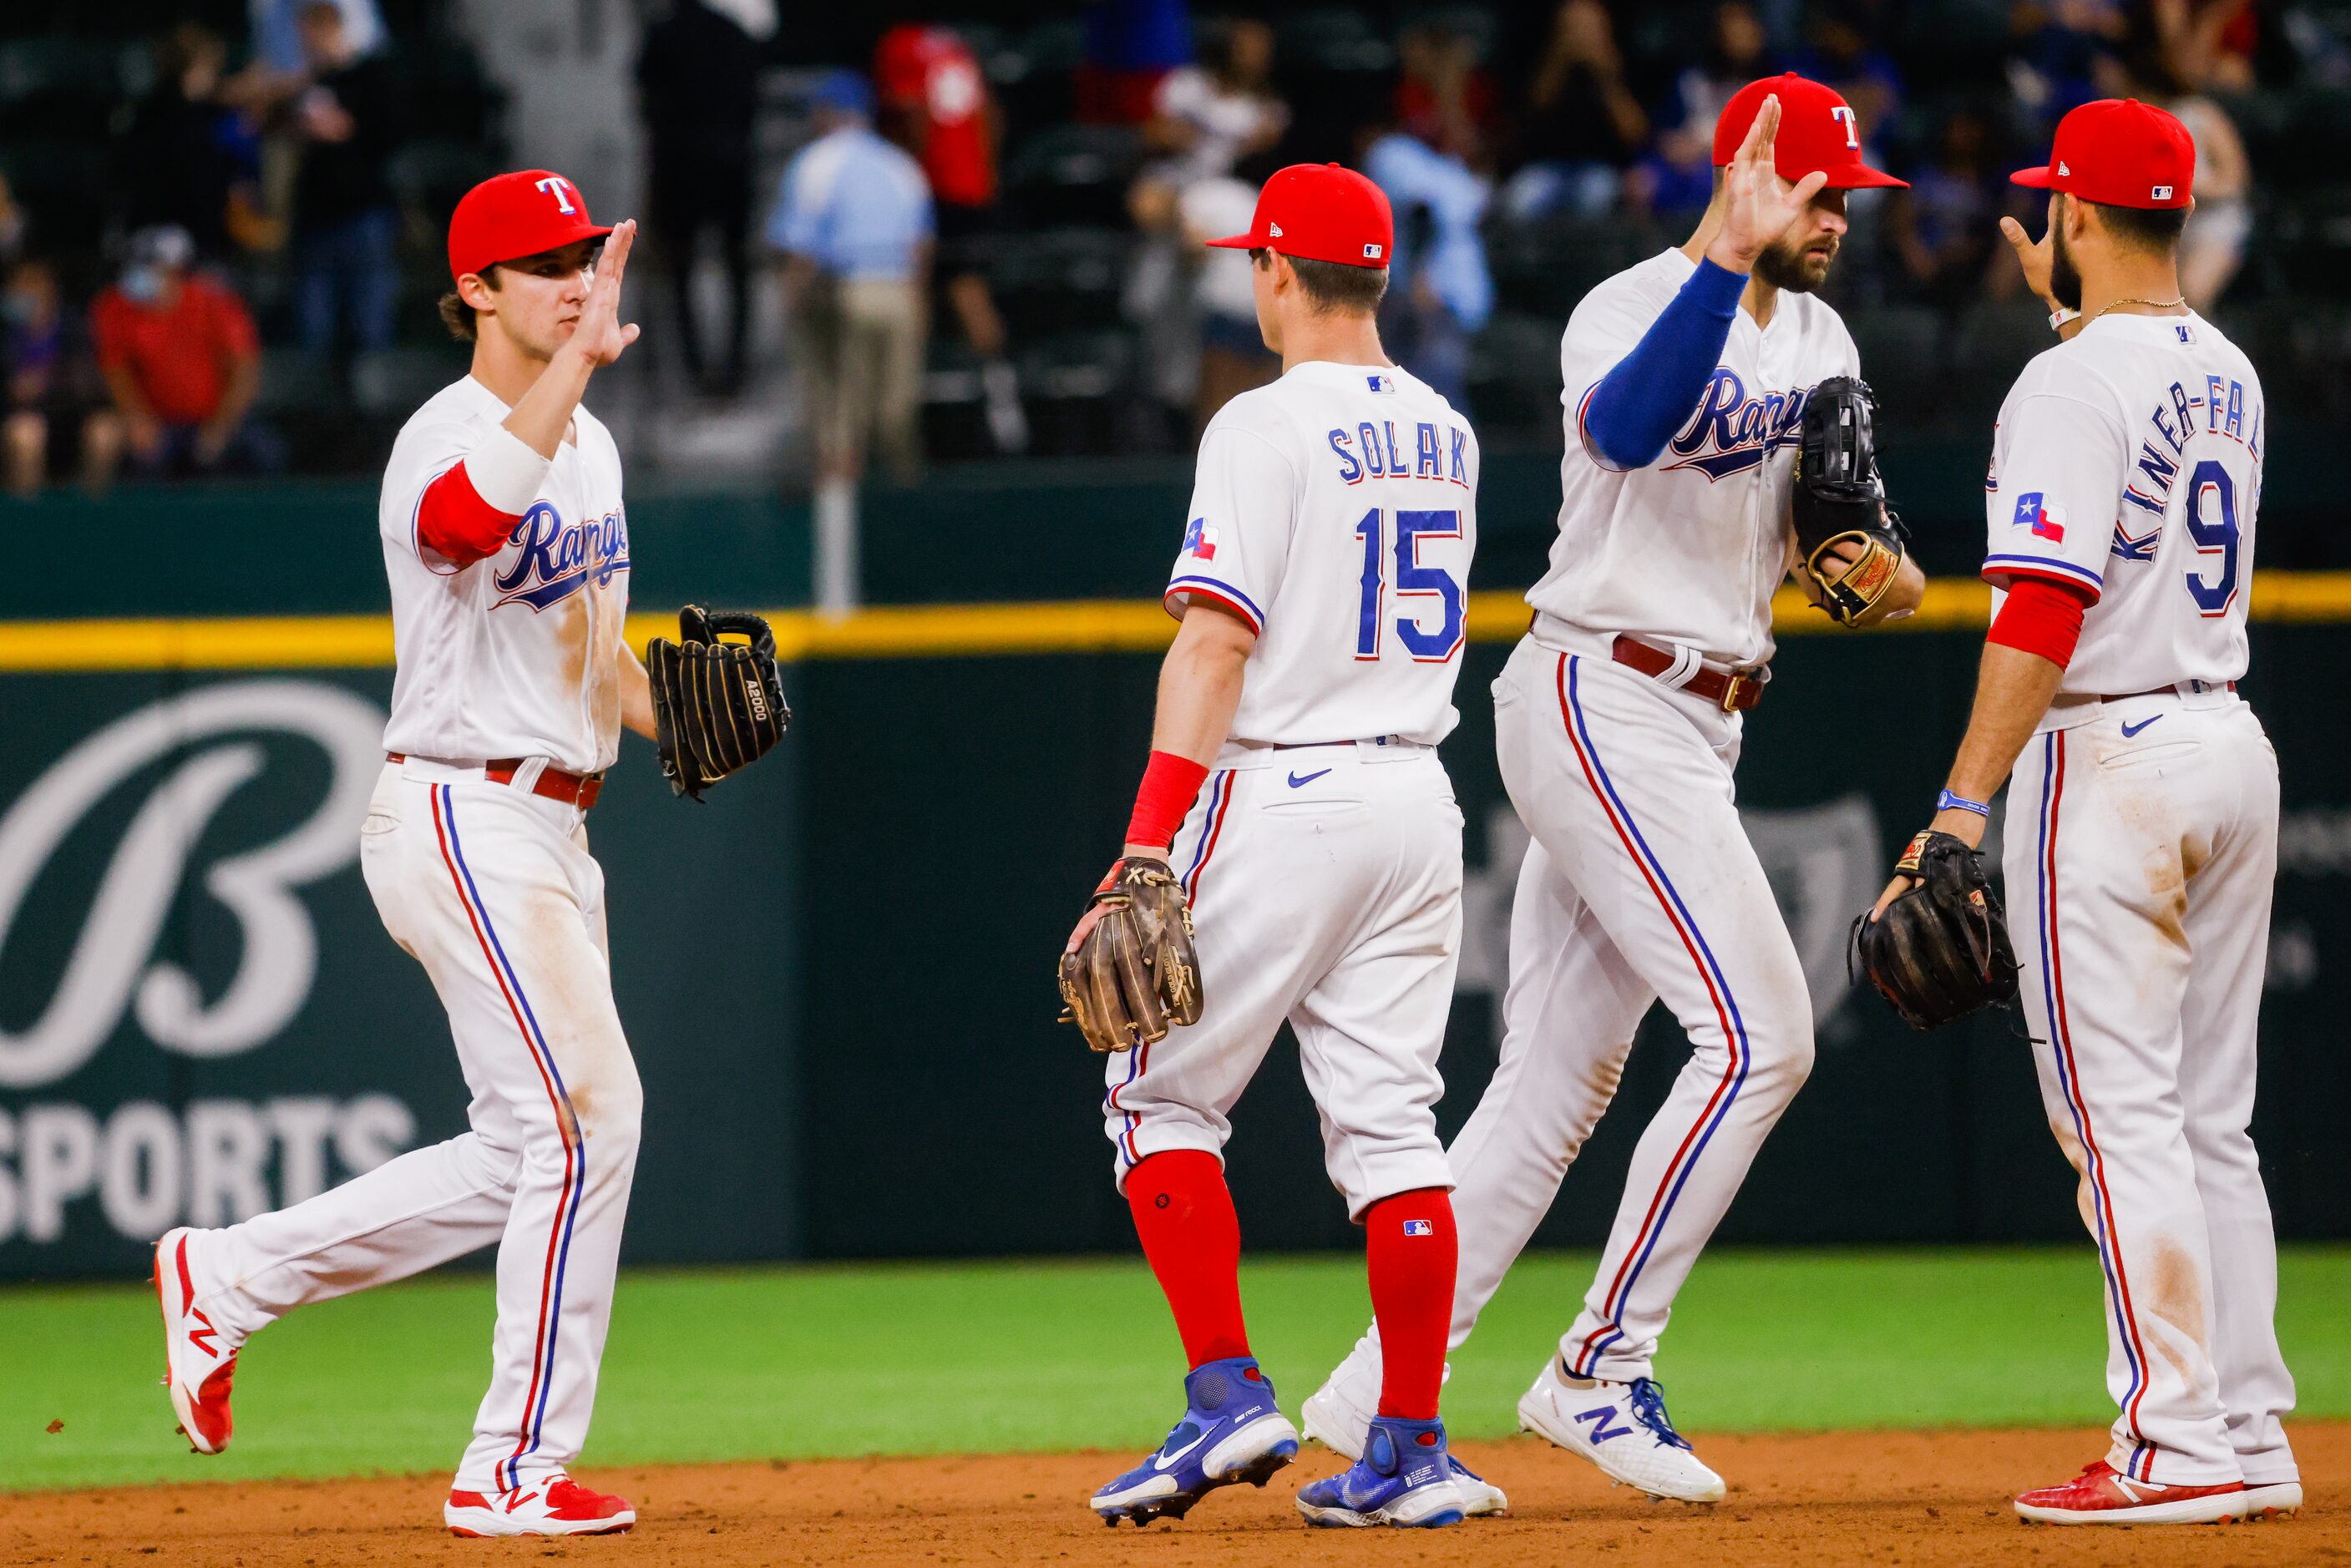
1840 499
1939 951
1128 971
718 706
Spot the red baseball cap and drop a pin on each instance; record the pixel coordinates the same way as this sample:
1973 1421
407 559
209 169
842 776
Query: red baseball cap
508 216
2118 153
1818 131
1321 212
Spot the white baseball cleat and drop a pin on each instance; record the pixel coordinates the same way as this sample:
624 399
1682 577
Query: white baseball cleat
1622 1428
2278 1499
553 1505
1332 1418
198 1369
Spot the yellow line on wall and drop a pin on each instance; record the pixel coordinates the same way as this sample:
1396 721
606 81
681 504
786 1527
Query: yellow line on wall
916 631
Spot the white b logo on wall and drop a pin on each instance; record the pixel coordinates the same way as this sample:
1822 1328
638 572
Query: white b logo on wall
151 1166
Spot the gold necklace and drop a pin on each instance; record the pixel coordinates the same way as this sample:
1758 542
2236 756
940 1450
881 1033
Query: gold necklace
2150 304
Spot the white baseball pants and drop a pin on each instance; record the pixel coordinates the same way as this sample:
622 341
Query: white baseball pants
2141 847
1326 889
493 890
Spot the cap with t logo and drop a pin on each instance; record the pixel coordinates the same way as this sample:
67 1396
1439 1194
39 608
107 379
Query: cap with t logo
1818 131
509 216
2118 153
1321 212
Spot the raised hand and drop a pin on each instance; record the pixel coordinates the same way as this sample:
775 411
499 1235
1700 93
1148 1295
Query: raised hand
2036 257
601 335
1758 205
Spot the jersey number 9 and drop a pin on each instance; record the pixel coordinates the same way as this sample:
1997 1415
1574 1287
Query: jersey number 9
1412 580
2213 536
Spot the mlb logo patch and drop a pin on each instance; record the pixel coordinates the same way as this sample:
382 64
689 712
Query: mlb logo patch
1371 252
2186 334
1418 1228
2160 194
1380 383
1199 539
2047 521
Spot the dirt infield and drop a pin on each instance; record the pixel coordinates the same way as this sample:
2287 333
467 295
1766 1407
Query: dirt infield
1872 1497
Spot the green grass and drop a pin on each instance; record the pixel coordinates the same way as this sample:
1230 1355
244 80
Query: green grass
801 1362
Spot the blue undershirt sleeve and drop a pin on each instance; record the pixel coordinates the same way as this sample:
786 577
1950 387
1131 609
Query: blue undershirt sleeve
1639 405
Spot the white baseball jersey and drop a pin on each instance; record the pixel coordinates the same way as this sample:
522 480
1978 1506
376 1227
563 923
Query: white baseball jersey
514 656
2128 461
1335 512
1689 549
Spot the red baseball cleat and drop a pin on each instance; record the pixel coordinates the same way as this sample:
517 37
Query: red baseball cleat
2100 1495
556 1506
197 1368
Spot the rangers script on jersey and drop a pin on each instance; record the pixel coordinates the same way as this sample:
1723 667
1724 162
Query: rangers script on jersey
1689 549
1335 512
519 655
2128 461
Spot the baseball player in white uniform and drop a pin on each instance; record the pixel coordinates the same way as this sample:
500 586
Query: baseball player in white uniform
1618 721
508 548
2141 836
1294 788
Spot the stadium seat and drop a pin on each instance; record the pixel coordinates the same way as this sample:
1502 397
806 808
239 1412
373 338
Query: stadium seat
1514 378
1060 280
1074 175
391 382
1901 359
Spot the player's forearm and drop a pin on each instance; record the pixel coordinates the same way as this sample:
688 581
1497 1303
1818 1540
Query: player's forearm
2014 689
545 412
636 694
1639 405
1200 691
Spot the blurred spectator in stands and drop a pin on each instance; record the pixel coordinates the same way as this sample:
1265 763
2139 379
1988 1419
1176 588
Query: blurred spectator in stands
1206 117
698 75
2054 48
2212 247
936 104
1444 98
1130 47
182 362
188 157
346 228
1582 125
1439 289
12 223
1735 55
854 226
1841 55
1233 355
2207 46
41 359
279 45
1945 227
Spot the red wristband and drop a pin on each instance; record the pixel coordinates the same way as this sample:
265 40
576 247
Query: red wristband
1170 784
2042 617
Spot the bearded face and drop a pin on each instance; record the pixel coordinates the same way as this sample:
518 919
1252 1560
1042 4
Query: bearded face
1799 260
2065 277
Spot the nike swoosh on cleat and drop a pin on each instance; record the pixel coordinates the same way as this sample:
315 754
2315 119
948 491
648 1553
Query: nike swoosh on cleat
1295 782
1164 1461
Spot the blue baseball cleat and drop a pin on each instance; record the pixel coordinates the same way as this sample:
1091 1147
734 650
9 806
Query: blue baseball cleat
1405 1477
1231 1431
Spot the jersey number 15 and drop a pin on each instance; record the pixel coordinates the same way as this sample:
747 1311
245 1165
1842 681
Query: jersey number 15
1412 580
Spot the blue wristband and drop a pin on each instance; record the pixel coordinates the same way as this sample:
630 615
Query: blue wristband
1947 801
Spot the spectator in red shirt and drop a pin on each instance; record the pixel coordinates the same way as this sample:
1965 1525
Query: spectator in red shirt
180 360
936 104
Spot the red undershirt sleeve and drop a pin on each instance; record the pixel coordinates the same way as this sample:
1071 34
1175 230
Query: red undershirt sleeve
2043 616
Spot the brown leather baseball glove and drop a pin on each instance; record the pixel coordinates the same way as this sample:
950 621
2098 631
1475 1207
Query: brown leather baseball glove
1128 971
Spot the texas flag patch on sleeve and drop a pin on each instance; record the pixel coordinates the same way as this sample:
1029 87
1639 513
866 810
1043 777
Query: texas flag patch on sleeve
2045 521
1200 539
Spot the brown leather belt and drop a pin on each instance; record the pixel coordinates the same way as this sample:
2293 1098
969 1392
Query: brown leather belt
571 789
1734 691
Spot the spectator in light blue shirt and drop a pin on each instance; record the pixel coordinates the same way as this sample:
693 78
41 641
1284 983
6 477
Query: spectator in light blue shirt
854 224
1440 291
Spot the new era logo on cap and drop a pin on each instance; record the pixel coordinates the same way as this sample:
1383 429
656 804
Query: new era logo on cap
2063 169
1273 231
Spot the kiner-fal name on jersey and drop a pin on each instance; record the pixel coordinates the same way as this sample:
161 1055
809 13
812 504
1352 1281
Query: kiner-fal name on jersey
2219 410
558 558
